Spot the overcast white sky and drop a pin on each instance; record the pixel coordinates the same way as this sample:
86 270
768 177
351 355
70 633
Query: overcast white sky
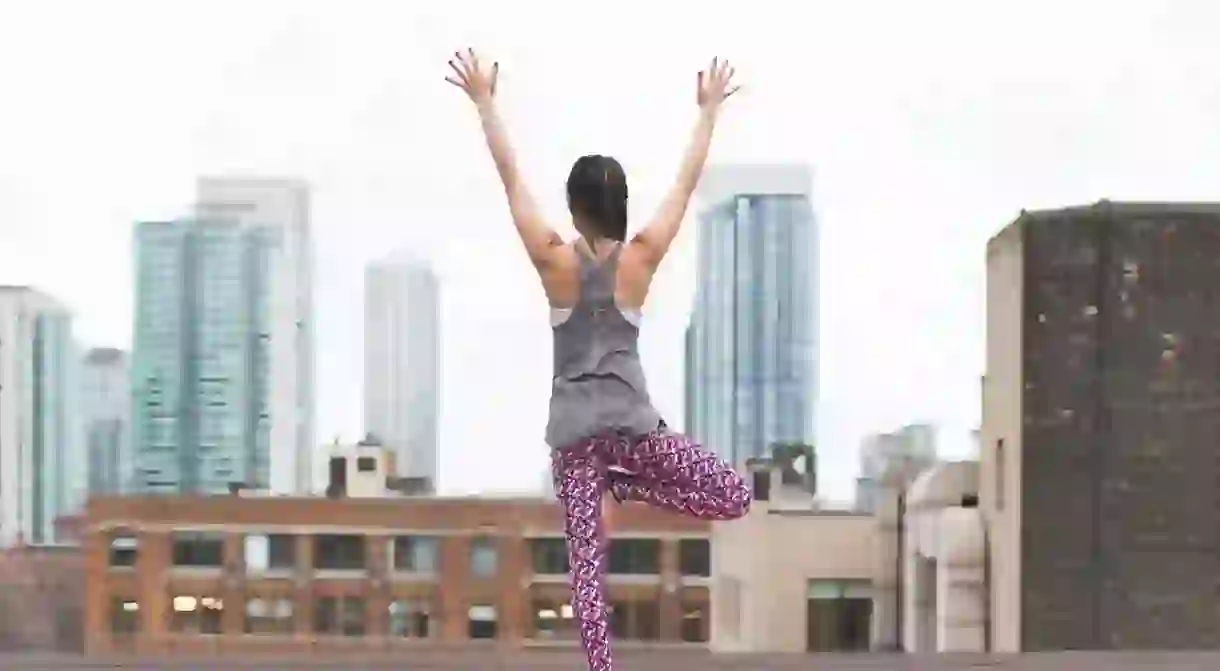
929 125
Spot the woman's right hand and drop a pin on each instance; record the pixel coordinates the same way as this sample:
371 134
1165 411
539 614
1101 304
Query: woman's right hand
716 85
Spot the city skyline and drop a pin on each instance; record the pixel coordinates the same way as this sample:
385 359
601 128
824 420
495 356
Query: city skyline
919 159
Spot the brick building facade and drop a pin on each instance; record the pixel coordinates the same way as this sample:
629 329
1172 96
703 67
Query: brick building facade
234 573
41 598
1101 422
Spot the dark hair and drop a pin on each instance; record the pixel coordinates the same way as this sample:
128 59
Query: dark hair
597 193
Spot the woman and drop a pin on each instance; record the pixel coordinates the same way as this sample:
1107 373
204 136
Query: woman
604 433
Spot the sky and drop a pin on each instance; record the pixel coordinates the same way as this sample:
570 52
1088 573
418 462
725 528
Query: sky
929 126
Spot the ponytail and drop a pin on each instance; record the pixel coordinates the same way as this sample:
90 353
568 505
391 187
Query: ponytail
614 203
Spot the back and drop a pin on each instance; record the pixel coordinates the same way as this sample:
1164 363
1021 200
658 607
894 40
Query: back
598 383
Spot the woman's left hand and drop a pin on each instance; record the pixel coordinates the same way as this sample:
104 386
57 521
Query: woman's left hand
471 77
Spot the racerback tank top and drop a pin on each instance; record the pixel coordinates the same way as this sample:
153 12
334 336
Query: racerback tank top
598 382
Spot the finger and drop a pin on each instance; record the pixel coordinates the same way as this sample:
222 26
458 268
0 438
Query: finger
495 76
456 83
474 60
699 87
457 55
461 73
715 69
733 90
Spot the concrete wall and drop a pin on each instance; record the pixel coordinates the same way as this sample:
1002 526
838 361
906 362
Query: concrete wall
999 451
762 565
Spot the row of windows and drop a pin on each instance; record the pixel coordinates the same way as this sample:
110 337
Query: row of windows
413 554
412 618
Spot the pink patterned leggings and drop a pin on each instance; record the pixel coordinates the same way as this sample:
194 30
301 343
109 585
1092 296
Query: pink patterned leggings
663 469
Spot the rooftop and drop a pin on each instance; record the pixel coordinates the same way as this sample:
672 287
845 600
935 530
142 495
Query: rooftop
472 657
388 513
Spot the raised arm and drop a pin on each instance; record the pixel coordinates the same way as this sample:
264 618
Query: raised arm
715 86
479 84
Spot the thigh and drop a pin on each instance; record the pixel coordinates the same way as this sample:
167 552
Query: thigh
579 472
670 470
663 456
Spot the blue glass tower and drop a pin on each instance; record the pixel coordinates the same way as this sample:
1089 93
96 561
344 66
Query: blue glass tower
752 346
201 360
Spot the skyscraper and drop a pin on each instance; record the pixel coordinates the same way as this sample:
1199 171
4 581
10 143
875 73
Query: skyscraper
402 361
41 477
223 361
106 417
752 364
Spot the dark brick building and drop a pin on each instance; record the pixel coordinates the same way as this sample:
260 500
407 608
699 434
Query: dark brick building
1101 454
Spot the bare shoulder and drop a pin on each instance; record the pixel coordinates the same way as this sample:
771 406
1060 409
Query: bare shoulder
635 273
561 277
636 257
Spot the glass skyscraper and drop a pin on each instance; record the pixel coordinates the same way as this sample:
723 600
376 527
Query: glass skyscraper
752 346
402 361
222 364
41 473
201 357
105 411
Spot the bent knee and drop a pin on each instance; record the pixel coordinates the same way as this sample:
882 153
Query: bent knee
738 498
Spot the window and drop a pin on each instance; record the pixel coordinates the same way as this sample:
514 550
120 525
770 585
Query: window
339 616
124 551
761 485
272 552
366 464
838 615
635 556
338 552
554 620
636 620
549 556
338 477
483 557
198 549
695 557
410 619
999 474
481 622
124 616
269 616
196 615
695 622
415 554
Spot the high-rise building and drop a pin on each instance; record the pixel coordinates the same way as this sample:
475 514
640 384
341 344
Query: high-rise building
753 343
223 361
402 361
106 416
41 478
892 460
1101 417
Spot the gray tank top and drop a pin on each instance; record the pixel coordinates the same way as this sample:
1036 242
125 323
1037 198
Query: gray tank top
598 383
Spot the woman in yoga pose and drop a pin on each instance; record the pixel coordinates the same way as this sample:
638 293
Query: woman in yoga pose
605 436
